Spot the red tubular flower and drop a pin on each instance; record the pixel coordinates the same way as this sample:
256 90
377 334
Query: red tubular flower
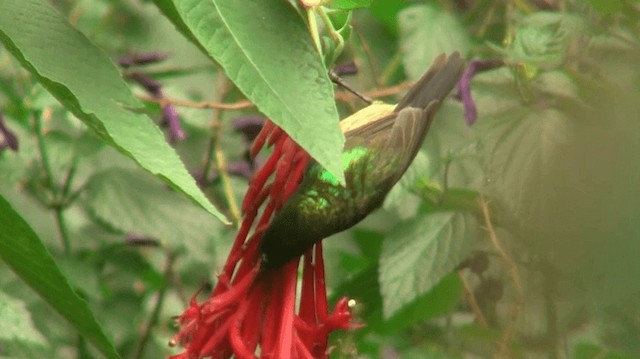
252 310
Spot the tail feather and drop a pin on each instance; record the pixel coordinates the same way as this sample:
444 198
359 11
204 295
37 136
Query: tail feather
435 84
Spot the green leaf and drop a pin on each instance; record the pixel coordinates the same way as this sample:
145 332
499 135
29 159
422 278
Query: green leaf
592 351
85 81
419 253
16 324
518 146
386 11
426 32
131 201
606 7
542 39
452 149
23 251
439 300
350 4
265 49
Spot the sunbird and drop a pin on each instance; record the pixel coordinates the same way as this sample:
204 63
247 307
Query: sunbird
381 141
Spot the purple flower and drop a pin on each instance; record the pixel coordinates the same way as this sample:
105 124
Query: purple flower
7 138
170 117
142 59
346 69
464 86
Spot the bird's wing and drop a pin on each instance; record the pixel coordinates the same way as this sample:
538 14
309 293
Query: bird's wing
408 132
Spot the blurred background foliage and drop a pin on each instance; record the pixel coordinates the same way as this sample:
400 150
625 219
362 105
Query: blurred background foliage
516 236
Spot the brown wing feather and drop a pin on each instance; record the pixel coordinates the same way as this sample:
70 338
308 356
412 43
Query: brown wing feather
408 132
425 97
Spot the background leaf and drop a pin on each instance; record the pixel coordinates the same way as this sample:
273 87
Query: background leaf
419 253
89 85
130 202
23 251
425 32
17 325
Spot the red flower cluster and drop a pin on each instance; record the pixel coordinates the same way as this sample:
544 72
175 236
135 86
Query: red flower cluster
252 310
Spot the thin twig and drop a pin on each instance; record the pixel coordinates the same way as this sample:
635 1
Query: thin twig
244 104
155 313
220 91
44 156
198 104
221 166
473 303
390 69
215 154
373 66
515 276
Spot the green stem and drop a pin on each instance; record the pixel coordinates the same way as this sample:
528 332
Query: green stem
390 69
155 313
313 30
62 229
44 156
66 186
332 31
457 199
54 200
221 89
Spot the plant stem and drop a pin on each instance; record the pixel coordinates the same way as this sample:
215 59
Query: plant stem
54 200
62 229
240 105
373 66
220 91
390 69
313 31
221 166
155 313
507 336
215 154
472 302
44 156
335 36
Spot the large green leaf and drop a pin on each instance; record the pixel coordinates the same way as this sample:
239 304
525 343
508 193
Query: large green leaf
425 32
82 78
543 38
23 251
419 253
519 143
265 49
437 301
129 201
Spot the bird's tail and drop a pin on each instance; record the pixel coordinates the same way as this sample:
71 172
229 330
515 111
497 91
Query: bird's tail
435 84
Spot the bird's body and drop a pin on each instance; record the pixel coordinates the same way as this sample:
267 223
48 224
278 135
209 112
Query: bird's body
381 142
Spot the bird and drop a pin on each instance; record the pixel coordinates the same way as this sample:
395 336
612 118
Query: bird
381 141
